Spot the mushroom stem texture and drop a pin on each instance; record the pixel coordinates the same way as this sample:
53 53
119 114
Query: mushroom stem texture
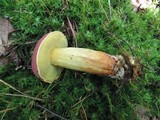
85 60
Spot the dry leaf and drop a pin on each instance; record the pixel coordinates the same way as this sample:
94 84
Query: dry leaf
5 29
7 54
2 48
142 112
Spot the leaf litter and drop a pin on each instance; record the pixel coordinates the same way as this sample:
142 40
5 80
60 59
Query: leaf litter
7 51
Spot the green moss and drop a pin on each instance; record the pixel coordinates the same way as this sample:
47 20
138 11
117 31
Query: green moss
75 93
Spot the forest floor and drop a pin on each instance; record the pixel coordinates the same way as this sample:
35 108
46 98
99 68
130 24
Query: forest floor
99 25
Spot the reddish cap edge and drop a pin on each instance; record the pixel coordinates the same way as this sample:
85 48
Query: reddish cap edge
34 56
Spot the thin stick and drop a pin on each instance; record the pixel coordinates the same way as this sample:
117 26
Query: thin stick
4 113
109 5
122 41
10 86
26 43
81 100
54 114
5 110
25 96
4 101
84 112
72 30
103 10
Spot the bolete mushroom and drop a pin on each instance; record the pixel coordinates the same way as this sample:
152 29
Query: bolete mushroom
51 55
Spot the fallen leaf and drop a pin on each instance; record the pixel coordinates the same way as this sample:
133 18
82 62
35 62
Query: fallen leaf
7 51
5 29
142 112
2 49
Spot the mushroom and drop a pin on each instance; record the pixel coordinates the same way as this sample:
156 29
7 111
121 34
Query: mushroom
51 55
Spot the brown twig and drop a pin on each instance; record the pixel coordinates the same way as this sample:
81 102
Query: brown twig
84 113
81 100
1 81
52 113
26 43
122 41
5 110
19 95
23 94
5 101
71 30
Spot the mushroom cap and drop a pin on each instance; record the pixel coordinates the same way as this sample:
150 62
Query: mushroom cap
41 58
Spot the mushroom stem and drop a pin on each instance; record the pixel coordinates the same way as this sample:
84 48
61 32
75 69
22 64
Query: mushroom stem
86 60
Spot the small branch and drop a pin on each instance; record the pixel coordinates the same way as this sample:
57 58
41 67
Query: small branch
10 86
54 114
103 10
109 5
5 101
73 32
122 41
81 100
26 43
25 96
71 28
5 110
84 113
